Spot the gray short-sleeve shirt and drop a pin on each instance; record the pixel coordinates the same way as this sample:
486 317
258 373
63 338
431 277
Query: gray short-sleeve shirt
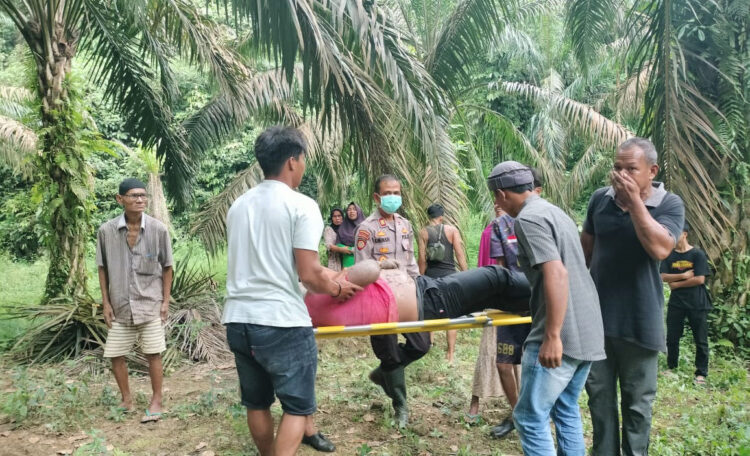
545 233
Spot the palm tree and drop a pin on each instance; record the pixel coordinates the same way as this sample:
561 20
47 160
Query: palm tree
694 58
375 101
345 64
439 48
121 42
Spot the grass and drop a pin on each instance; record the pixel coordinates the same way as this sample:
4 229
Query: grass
61 401
203 407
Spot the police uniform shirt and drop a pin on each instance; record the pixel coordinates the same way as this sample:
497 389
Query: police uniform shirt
379 240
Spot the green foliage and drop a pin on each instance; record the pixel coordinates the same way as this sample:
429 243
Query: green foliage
730 319
702 420
31 396
364 450
19 227
97 446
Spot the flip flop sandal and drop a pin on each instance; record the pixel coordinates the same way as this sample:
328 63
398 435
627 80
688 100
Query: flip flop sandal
472 420
700 380
151 417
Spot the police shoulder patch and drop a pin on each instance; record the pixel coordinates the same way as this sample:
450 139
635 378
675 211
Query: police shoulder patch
361 244
364 235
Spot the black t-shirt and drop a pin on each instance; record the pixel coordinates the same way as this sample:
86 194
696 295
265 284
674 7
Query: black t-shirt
693 298
626 277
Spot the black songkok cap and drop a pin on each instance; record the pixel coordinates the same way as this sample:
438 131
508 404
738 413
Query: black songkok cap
130 184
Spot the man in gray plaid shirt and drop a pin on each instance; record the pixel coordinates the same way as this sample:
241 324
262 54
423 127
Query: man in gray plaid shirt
566 330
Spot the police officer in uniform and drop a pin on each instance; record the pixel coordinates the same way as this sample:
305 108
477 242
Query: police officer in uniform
387 235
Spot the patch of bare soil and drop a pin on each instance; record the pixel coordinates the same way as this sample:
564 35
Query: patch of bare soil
204 417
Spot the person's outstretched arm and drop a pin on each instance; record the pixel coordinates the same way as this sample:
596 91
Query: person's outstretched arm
315 278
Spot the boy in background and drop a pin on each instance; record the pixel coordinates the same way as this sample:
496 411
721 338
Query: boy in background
685 270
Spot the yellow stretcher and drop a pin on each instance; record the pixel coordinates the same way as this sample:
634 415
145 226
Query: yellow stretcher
491 318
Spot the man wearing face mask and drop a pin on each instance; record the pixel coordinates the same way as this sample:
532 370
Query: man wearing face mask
385 235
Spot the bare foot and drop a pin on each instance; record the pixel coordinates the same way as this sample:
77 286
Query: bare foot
155 406
473 407
126 404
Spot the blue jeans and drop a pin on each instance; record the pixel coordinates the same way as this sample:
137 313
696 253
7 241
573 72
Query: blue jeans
550 392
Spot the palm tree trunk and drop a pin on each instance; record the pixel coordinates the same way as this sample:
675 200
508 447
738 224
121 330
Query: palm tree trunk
66 178
731 285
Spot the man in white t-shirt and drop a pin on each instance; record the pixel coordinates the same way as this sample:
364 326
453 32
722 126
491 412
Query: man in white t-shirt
273 234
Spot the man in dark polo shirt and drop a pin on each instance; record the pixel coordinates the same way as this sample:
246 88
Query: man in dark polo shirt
629 228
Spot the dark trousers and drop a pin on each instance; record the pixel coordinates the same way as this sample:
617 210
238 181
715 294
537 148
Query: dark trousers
393 354
488 287
636 368
698 321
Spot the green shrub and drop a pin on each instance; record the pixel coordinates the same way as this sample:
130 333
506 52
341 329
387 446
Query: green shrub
19 228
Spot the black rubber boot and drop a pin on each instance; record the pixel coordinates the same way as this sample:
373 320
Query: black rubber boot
377 377
395 387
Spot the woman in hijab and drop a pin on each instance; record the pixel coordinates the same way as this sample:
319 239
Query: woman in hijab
348 231
330 237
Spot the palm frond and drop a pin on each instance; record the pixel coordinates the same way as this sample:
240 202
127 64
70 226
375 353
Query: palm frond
588 24
210 225
116 65
17 143
62 328
16 94
196 38
629 98
436 181
266 95
194 325
502 137
590 168
464 35
528 10
677 117
607 133
353 58
517 44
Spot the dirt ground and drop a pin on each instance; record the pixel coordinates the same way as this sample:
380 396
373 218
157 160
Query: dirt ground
204 417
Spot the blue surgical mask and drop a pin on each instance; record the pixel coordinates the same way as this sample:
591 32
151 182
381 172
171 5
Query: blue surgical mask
390 203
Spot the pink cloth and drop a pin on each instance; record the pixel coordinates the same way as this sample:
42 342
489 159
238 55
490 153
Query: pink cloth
374 304
483 259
